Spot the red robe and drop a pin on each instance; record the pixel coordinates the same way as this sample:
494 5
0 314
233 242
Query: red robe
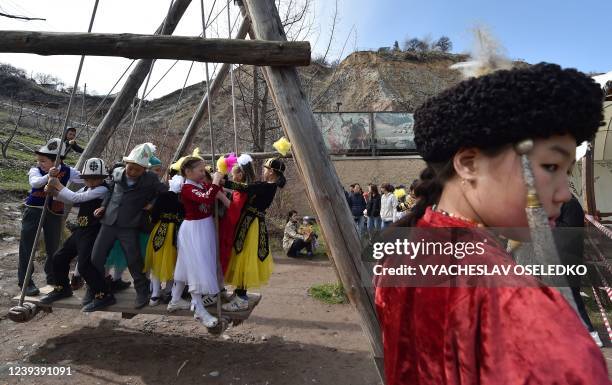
483 335
227 227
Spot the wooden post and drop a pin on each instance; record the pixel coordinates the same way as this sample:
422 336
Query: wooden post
588 181
319 176
202 110
136 46
122 102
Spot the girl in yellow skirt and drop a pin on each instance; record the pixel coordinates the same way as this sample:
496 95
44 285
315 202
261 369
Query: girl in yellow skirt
251 263
160 258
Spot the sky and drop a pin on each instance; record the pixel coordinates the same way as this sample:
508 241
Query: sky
568 32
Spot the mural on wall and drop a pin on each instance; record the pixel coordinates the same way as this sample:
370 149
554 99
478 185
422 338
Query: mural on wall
394 131
603 184
344 132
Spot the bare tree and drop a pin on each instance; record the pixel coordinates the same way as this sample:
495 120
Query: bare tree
415 45
443 44
20 17
16 115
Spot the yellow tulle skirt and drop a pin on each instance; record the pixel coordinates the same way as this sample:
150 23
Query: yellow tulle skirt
161 263
245 270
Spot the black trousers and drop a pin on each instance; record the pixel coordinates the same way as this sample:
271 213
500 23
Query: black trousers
128 238
582 308
297 246
80 244
52 231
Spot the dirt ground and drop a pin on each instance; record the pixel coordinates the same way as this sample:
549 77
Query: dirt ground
289 339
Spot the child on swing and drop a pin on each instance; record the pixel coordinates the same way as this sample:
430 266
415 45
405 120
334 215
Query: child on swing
196 265
251 263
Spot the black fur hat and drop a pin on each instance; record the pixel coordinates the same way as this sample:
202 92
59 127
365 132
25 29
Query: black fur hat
506 107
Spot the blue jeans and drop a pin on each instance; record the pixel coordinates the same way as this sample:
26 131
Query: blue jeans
374 223
360 223
386 224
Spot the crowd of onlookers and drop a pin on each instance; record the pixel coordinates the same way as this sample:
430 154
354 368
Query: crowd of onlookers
379 206
372 211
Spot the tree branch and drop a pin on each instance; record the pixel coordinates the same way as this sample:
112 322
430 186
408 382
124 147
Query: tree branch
20 17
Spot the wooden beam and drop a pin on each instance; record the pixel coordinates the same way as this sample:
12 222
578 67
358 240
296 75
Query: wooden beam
319 176
122 102
135 46
588 181
202 110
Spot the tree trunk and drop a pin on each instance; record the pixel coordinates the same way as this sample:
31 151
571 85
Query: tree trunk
121 104
319 176
134 46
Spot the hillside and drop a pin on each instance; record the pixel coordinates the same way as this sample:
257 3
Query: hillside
363 81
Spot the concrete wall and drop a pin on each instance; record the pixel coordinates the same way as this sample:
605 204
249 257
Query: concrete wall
363 170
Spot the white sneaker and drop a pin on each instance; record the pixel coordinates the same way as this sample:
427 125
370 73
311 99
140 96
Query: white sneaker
209 300
181 304
236 304
597 339
206 319
226 296
154 301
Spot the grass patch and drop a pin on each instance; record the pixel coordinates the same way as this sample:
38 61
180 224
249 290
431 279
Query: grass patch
329 293
593 309
13 179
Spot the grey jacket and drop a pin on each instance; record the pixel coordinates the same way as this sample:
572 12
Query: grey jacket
124 205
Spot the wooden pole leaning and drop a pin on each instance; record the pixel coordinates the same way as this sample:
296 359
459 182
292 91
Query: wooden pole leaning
326 196
202 109
122 102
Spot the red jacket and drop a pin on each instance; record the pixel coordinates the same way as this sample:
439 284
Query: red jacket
198 200
482 335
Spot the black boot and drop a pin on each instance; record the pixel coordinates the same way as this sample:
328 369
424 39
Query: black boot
89 296
101 301
119 285
76 282
58 293
142 296
31 289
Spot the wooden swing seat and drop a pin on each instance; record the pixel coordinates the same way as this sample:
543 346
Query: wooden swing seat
125 305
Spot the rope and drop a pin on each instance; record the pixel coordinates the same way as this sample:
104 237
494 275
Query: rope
230 28
144 91
55 164
603 314
212 150
599 226
105 97
178 101
162 78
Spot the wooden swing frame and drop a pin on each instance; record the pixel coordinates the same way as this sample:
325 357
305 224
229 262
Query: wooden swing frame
313 162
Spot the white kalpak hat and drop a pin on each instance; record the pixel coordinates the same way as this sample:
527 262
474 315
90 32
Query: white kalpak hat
141 155
94 168
52 147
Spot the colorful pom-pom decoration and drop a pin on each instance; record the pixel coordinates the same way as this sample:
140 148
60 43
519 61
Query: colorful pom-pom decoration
225 163
282 146
399 193
244 159
221 165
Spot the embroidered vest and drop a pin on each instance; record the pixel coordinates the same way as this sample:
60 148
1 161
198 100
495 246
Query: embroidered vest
86 217
37 195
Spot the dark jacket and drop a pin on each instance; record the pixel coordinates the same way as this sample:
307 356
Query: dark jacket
569 232
357 203
373 206
124 205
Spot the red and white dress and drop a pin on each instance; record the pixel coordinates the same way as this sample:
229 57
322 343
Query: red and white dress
196 264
